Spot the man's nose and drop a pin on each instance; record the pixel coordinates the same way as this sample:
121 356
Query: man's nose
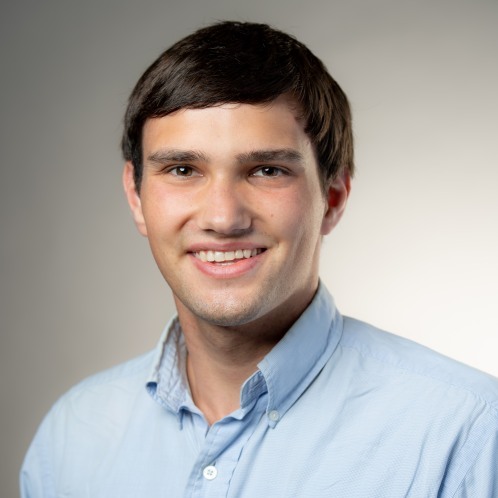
224 208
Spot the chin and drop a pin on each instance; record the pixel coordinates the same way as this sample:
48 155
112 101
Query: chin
225 314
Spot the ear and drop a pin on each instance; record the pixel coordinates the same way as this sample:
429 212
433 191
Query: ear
133 198
337 196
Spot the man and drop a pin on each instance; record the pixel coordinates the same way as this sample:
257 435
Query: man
238 149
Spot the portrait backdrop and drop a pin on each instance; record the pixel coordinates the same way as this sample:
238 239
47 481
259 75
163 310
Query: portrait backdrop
416 252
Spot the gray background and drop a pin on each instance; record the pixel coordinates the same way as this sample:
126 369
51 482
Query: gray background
416 252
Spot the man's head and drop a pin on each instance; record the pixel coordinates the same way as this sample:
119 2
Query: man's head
239 155
233 62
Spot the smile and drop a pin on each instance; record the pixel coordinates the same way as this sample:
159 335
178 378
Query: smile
223 256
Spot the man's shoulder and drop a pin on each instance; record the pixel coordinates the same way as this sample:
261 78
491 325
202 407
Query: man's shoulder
107 390
401 356
88 422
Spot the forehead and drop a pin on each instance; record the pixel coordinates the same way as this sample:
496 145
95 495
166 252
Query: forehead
229 128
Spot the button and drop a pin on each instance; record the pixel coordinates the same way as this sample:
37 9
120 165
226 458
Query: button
274 416
210 472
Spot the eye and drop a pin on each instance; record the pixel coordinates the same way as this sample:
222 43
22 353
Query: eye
182 171
269 171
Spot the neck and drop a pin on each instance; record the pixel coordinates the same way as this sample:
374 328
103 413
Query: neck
221 358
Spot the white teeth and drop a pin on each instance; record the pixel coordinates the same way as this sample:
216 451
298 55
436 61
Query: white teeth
222 256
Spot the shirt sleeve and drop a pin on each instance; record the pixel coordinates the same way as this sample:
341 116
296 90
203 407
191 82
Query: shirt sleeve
482 478
36 478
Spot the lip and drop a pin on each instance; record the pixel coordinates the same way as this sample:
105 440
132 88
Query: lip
223 246
229 269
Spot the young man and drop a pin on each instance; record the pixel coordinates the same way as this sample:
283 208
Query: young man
238 149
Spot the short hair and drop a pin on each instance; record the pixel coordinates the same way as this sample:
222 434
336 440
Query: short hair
248 63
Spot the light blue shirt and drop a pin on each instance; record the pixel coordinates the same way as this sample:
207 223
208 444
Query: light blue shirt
337 409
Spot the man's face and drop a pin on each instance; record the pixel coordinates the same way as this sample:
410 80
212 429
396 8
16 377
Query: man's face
234 211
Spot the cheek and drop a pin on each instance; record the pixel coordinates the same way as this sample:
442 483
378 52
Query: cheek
298 221
165 212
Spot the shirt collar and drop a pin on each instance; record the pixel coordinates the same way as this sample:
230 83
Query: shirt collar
167 382
285 372
290 367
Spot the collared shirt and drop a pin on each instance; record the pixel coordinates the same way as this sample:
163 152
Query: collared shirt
336 409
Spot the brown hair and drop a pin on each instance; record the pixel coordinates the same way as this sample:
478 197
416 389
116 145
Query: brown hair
235 62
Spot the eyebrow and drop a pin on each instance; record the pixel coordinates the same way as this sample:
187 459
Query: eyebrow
271 155
177 156
256 156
